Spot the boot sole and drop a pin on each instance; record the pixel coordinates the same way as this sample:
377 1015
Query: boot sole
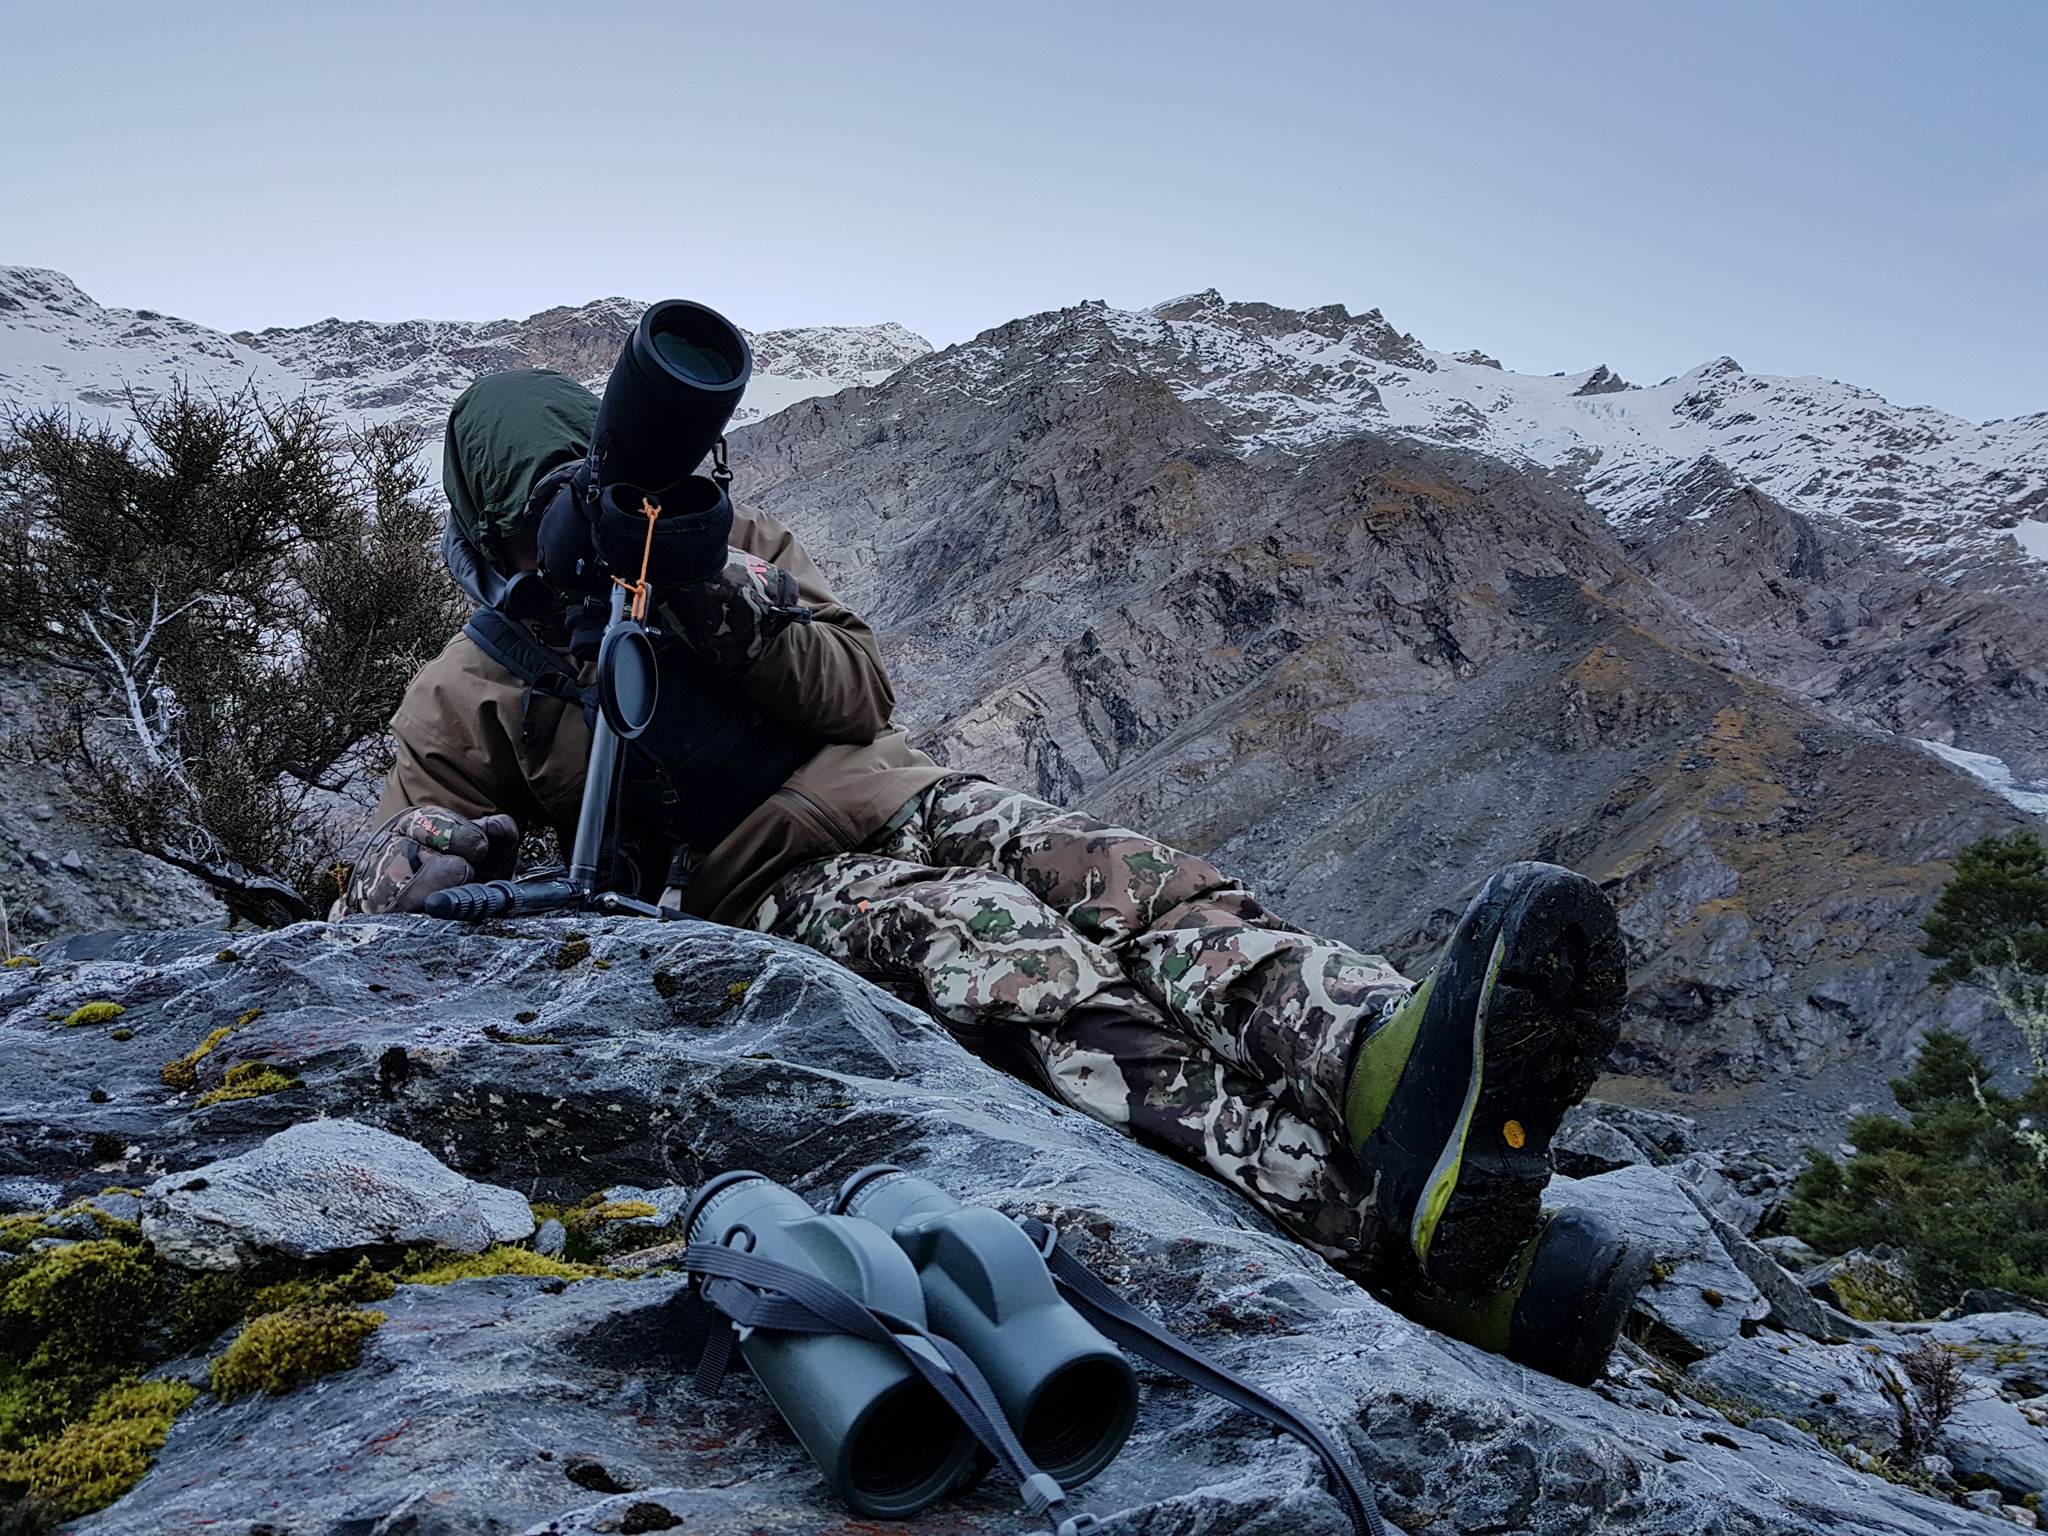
1505 1048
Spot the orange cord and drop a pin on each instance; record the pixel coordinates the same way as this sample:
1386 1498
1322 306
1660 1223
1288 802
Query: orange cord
639 589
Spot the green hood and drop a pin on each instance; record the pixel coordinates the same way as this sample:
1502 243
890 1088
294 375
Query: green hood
505 433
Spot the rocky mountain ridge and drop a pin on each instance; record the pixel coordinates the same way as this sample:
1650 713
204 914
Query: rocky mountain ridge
1963 500
1364 671
59 347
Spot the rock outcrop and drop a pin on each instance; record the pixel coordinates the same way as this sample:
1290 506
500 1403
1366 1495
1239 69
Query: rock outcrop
321 1189
560 1059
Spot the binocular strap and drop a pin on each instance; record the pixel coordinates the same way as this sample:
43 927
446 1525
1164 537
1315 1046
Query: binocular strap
754 1292
1133 1330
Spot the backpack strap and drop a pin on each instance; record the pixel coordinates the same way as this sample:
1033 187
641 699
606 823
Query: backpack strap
1136 1332
754 1292
512 646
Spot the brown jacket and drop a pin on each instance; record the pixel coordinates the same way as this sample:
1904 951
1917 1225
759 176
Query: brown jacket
459 743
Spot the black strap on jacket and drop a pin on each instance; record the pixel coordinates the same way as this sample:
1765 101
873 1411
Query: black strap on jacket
708 759
512 646
1136 1332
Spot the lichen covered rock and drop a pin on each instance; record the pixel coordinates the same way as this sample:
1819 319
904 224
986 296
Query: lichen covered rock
323 1188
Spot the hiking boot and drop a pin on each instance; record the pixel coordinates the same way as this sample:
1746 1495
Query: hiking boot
1564 1302
1455 1093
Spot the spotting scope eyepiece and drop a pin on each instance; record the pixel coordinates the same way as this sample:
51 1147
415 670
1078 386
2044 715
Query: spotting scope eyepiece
1068 1391
676 383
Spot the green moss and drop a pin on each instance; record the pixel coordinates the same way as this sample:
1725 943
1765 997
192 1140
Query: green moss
247 1017
1869 1300
19 962
106 1147
29 1405
248 1080
574 951
203 1306
281 1350
109 1226
183 1073
227 957
735 992
586 1219
84 1304
519 1037
87 1014
362 1283
94 1460
121 1034
440 1269
18 1231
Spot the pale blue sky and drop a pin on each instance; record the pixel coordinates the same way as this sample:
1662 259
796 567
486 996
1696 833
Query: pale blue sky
1857 189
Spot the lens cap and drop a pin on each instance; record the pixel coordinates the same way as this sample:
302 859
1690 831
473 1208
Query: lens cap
628 680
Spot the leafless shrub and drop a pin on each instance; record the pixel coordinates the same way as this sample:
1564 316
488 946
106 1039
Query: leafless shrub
1934 1388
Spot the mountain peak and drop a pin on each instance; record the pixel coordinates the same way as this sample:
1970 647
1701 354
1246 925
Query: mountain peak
40 288
1602 381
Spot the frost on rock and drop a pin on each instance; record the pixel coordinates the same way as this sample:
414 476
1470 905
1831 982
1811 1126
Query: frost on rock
326 1187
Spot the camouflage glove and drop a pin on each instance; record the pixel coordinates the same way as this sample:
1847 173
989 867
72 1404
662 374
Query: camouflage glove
731 618
424 849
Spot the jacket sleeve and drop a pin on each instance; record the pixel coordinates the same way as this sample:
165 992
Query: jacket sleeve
451 747
769 621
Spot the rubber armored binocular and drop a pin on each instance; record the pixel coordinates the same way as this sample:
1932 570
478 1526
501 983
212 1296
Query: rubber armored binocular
886 1441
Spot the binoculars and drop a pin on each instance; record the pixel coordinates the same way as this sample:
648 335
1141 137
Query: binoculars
888 1444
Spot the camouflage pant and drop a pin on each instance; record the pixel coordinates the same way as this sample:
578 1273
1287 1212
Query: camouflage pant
1132 981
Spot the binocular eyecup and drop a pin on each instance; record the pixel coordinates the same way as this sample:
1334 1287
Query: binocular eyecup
886 1442
1069 1393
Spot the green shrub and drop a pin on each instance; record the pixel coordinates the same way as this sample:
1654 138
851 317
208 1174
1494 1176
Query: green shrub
1961 1184
1989 929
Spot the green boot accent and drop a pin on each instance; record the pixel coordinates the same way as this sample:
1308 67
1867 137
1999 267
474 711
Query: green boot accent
1453 1097
1562 1307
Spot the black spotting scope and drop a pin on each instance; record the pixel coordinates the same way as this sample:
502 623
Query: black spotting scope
677 382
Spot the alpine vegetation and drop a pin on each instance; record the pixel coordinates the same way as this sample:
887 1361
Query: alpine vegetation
226 597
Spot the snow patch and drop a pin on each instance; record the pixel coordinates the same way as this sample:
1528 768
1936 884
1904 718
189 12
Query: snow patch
1992 773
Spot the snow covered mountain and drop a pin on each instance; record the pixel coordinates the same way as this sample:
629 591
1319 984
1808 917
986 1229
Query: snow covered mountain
1953 497
59 347
1963 501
